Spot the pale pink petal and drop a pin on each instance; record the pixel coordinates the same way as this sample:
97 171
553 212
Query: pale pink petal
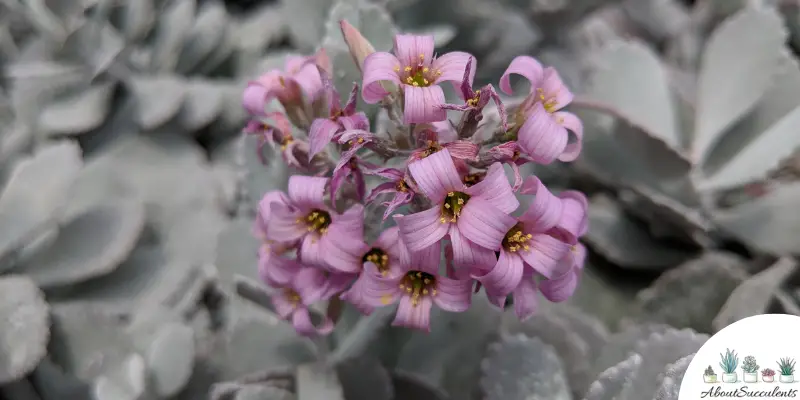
309 80
554 88
387 187
311 251
386 173
436 175
390 242
378 291
495 189
354 122
378 67
483 224
283 225
505 276
445 131
453 295
413 50
526 66
545 211
361 184
310 284
560 288
355 296
275 270
462 149
541 137
301 321
453 65
265 205
398 200
427 259
574 125
320 134
352 103
526 301
351 222
414 316
574 217
579 255
254 99
497 300
339 177
517 176
422 104
468 254
307 192
337 283
422 229
283 307
544 254
343 252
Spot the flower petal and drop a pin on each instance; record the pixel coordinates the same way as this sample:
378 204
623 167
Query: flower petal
353 122
544 254
398 200
309 80
391 242
320 134
541 137
283 307
453 295
468 254
378 66
311 252
505 276
342 251
526 66
412 50
483 224
453 65
310 284
386 173
422 229
555 89
378 291
495 189
307 192
386 187
351 222
574 125
526 302
574 218
355 296
414 315
275 270
283 225
254 98
462 149
427 259
301 321
560 288
422 104
545 210
436 175
578 255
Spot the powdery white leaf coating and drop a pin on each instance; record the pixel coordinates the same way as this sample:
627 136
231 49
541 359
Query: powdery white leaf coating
753 296
769 223
174 26
205 35
260 27
170 358
631 79
79 112
202 106
318 381
611 383
734 54
126 381
92 244
523 368
138 18
625 242
35 192
25 327
671 382
304 21
158 99
622 343
365 378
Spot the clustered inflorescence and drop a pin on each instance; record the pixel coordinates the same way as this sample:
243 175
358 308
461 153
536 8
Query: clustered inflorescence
448 176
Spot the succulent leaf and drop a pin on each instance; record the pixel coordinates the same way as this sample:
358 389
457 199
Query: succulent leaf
170 359
158 99
670 385
174 27
79 112
26 327
614 381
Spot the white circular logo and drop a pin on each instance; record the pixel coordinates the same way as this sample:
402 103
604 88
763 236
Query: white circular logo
756 358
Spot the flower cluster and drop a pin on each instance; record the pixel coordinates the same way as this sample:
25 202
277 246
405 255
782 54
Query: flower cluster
461 228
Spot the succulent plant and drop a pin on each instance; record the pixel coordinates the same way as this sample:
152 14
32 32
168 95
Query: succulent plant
768 372
786 366
750 365
729 361
709 371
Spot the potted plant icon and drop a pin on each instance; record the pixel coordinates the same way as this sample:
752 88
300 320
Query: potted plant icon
768 375
786 367
728 362
750 368
709 376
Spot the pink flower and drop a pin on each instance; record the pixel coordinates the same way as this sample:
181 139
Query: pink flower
476 100
431 143
324 130
306 287
301 82
351 171
561 288
542 128
414 67
509 153
541 237
270 250
474 217
417 289
305 217
398 185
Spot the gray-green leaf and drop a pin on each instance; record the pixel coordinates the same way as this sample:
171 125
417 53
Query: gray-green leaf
26 327
158 99
79 112
170 359
174 26
523 368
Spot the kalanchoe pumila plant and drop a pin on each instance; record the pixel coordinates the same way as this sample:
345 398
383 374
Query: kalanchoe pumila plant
448 177
768 372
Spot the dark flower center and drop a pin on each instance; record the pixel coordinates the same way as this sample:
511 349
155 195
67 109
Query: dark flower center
431 146
401 186
318 221
452 206
473 179
473 102
418 284
418 75
516 239
379 258
292 296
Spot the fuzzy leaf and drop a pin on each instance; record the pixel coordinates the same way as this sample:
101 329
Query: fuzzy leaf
630 79
691 295
667 217
139 17
410 386
365 378
26 327
78 113
205 35
92 244
306 21
622 343
523 368
260 27
720 104
202 106
625 242
769 223
158 99
753 296
442 34
611 383
34 193
368 328
317 381
174 26
170 359
96 43
126 381
670 385
763 139
237 251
